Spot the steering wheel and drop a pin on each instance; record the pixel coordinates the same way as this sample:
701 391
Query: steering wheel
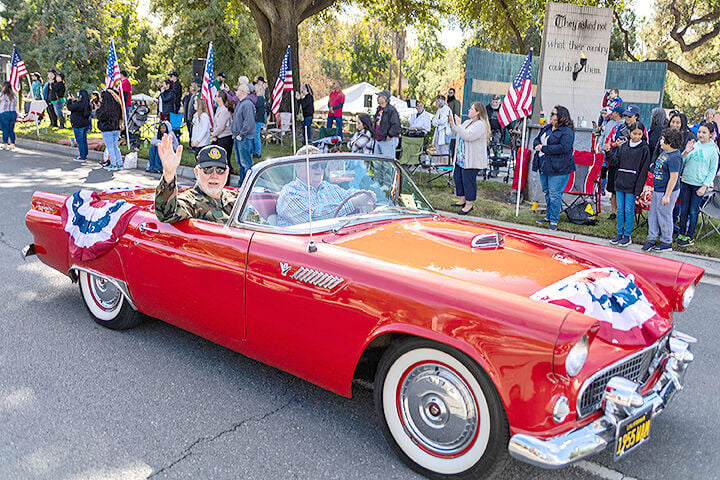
350 197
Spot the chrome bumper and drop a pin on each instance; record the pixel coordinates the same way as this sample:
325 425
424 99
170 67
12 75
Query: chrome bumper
620 400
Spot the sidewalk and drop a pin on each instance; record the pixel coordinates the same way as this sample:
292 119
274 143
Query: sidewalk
710 264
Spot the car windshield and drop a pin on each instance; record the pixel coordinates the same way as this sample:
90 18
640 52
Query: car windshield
343 189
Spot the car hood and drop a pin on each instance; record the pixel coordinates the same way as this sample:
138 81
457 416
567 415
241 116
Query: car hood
443 246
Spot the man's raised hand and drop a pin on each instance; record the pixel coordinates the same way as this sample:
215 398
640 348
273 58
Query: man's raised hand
170 159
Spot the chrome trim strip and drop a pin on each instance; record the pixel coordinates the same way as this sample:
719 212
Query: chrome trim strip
317 278
122 286
600 373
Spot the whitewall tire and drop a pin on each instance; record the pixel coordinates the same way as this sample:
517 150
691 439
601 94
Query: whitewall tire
106 303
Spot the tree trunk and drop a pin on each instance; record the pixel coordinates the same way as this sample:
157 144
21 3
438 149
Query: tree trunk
277 22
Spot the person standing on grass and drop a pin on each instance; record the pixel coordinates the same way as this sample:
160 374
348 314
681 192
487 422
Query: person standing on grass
470 153
201 126
658 122
80 121
259 118
109 116
49 97
441 136
554 160
221 134
126 92
58 89
630 161
701 164
336 100
666 171
8 115
306 104
154 163
243 130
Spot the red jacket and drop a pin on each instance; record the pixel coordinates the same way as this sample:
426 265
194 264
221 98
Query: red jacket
127 92
335 104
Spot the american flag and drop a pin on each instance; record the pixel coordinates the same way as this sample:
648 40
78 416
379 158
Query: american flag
17 70
518 101
208 90
113 69
284 82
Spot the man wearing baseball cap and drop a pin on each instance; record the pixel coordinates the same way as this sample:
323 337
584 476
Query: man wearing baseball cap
207 200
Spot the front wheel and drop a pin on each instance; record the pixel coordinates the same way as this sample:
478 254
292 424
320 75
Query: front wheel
440 412
106 303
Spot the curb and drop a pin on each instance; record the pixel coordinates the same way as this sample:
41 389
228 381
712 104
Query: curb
183 171
710 264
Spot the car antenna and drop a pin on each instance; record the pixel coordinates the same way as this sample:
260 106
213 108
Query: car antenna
311 246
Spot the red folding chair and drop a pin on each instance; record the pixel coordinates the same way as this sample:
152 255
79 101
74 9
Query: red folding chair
584 182
642 202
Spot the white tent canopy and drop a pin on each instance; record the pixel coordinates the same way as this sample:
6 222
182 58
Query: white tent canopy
143 98
357 95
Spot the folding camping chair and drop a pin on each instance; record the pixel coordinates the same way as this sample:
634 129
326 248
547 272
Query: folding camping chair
710 211
642 202
438 165
526 159
36 112
284 123
584 182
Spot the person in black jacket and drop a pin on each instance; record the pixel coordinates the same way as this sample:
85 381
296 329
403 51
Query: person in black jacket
259 118
58 90
109 116
167 97
306 104
387 126
631 162
177 88
555 162
80 121
49 96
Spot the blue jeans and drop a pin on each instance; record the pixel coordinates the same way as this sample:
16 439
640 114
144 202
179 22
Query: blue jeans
81 139
553 188
243 154
625 212
154 162
7 125
338 122
59 113
257 147
466 182
386 148
111 144
689 209
307 130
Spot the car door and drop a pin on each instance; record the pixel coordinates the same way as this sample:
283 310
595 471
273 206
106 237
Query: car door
190 274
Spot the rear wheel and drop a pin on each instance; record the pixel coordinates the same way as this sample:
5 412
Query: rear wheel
106 303
440 412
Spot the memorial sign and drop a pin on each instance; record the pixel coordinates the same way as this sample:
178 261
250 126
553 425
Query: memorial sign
573 60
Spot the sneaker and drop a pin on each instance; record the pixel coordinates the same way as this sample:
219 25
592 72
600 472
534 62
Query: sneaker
662 247
612 216
539 222
552 226
625 241
684 241
648 245
78 159
616 240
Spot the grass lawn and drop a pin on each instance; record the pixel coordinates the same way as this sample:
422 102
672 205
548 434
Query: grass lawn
492 201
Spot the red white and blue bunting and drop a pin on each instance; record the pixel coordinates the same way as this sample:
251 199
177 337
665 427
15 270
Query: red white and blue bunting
93 224
625 314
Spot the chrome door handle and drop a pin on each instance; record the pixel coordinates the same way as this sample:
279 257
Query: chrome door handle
143 227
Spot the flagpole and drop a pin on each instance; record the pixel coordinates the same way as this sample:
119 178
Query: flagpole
292 109
520 173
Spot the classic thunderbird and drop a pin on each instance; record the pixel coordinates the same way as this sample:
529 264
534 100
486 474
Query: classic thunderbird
483 342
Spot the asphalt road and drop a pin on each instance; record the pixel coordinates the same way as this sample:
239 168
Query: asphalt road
78 401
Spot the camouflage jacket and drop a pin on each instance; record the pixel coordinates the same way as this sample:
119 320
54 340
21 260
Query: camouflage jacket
172 207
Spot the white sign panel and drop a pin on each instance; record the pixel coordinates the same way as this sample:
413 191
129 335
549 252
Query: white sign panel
573 60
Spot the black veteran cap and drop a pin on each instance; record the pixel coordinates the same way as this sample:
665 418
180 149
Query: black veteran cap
212 156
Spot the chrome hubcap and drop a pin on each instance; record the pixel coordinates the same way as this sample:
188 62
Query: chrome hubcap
106 295
438 409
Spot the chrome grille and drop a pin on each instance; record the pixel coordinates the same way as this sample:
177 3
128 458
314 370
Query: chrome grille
637 367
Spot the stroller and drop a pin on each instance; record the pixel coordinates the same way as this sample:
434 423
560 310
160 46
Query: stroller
138 118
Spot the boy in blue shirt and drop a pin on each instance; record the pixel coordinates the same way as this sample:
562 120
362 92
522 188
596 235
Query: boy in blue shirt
666 190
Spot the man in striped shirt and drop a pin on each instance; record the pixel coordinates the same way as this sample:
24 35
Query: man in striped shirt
325 197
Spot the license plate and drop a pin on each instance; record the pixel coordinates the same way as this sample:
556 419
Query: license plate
632 432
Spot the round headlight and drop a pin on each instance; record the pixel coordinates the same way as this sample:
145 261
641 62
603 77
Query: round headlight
577 356
688 296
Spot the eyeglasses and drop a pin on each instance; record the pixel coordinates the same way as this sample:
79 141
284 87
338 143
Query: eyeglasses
318 165
553 113
209 170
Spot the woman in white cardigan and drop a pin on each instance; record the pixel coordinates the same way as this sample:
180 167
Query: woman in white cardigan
441 137
470 154
201 126
221 133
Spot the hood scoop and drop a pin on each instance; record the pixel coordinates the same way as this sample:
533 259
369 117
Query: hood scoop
488 241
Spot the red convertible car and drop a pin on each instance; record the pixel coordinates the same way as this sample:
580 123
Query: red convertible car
482 342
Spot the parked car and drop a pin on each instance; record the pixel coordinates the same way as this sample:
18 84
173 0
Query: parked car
482 342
